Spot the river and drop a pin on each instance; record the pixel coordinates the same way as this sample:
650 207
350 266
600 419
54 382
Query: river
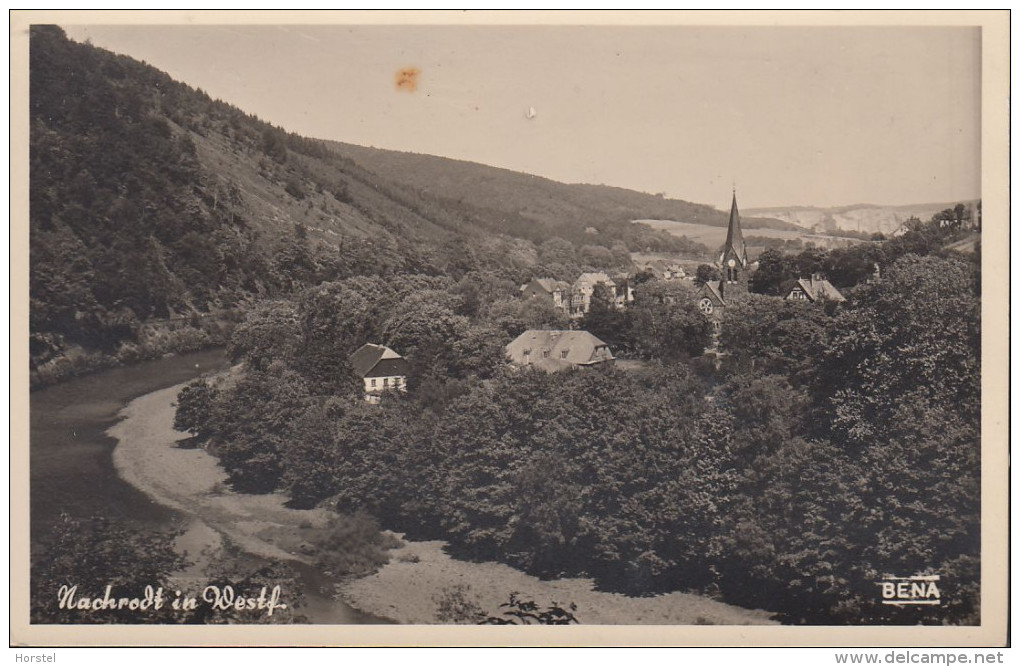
71 465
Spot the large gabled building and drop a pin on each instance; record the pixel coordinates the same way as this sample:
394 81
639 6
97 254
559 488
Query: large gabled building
559 350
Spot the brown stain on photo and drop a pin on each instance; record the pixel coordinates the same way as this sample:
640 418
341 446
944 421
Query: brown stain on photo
407 79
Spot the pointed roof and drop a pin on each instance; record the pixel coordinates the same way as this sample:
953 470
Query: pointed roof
735 247
551 285
816 288
711 290
377 361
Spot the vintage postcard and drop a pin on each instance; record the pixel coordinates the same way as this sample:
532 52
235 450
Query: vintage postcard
433 328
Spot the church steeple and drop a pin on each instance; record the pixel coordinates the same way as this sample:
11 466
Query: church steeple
734 255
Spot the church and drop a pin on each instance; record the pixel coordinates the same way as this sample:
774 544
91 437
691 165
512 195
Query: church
715 295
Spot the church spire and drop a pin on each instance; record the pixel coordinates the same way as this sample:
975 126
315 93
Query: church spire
735 247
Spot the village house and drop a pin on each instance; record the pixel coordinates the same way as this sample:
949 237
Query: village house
584 287
381 369
813 289
575 300
624 293
556 292
663 270
559 350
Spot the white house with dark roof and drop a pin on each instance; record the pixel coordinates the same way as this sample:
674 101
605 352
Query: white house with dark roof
381 369
559 350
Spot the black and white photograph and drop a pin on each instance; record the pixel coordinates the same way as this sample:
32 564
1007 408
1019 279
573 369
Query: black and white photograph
572 320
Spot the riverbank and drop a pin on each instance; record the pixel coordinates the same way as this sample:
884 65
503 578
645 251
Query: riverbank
149 457
57 361
420 575
221 527
417 578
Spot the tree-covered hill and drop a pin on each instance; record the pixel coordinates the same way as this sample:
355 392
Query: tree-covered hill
155 210
539 203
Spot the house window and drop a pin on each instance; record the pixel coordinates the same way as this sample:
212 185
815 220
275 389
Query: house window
563 354
386 382
373 383
545 354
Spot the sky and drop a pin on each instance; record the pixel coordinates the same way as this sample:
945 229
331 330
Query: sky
822 116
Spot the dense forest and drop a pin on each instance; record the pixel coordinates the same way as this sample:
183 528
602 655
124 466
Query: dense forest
783 477
158 213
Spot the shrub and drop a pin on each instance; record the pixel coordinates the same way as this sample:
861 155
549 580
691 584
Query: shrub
518 611
455 605
353 545
194 408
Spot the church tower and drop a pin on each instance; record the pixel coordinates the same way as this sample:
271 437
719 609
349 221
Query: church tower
734 255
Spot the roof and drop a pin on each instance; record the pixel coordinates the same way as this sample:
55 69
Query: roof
565 349
378 361
712 290
819 288
662 265
594 277
550 285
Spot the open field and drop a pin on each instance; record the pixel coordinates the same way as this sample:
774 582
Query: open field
859 217
714 237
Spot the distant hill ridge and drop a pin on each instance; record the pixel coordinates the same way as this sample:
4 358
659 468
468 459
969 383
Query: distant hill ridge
535 197
870 218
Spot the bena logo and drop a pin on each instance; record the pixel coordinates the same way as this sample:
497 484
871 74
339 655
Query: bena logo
911 590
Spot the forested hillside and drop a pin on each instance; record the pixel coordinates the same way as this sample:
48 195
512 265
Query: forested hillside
532 205
156 211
